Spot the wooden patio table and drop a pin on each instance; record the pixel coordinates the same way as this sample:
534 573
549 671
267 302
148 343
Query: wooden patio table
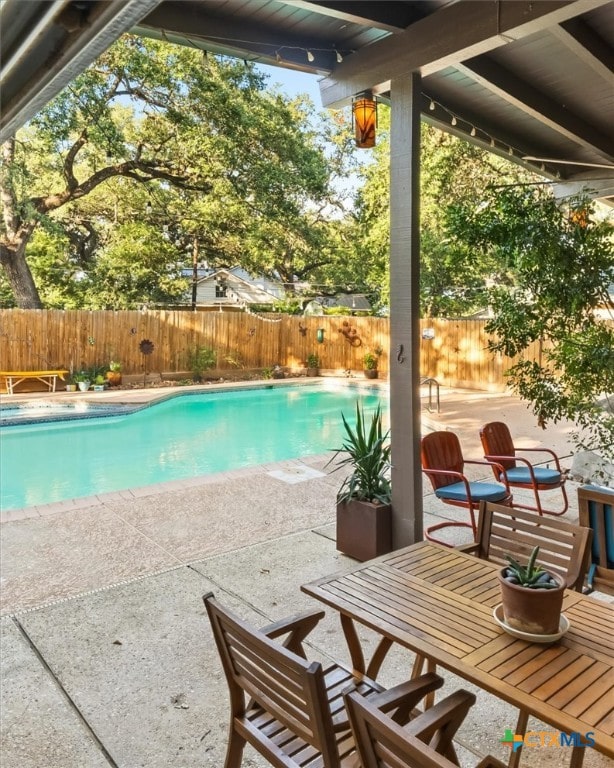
438 602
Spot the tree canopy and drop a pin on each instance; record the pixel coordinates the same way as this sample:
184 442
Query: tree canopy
194 142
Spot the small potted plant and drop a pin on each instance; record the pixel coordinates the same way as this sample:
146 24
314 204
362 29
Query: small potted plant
71 384
364 524
313 365
370 361
83 380
532 597
114 374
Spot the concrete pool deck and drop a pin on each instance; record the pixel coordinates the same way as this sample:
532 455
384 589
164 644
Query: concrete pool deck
107 658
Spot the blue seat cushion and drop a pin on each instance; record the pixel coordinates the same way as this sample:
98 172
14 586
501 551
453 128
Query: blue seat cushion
478 491
542 475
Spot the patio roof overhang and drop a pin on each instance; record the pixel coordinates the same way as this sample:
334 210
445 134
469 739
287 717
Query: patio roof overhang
534 78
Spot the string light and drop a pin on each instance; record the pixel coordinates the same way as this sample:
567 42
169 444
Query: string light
275 50
470 128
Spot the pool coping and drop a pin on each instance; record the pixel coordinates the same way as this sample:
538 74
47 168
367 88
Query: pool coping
154 397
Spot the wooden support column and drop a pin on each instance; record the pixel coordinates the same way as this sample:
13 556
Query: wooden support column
405 310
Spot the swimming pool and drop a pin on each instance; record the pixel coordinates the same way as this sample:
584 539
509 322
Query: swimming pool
184 436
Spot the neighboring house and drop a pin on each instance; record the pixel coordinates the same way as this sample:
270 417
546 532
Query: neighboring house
234 287
357 302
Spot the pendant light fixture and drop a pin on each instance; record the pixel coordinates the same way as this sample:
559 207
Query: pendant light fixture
364 114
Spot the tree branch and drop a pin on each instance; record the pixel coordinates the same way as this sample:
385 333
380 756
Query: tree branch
139 170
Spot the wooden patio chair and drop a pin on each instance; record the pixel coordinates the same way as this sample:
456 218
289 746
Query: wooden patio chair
289 709
519 472
596 509
382 743
443 464
563 547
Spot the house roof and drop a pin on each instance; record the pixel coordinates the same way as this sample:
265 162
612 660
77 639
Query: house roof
244 291
530 77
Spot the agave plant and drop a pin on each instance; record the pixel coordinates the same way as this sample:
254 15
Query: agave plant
530 575
367 451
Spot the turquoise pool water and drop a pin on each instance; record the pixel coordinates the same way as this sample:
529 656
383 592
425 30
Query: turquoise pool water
181 437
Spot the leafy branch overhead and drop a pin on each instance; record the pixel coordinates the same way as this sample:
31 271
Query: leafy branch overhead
215 157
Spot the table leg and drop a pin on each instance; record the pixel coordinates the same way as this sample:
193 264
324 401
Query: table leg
351 638
577 757
521 728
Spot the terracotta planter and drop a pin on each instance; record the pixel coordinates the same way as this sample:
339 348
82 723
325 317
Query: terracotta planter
536 611
370 373
364 530
313 371
114 378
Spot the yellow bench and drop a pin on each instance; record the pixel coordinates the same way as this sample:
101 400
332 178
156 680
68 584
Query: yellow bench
13 378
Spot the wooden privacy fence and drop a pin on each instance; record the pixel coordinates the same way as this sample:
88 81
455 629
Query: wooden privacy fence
456 355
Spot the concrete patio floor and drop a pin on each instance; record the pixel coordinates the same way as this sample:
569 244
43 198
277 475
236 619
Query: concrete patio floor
107 657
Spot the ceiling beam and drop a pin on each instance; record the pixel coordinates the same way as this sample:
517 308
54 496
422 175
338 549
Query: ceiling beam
184 22
529 100
458 31
386 15
586 44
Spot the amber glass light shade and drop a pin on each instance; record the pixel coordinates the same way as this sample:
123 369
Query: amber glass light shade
364 111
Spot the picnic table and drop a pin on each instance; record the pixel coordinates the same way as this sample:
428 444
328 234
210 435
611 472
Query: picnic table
49 378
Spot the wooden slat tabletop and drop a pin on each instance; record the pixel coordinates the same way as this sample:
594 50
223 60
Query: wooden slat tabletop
438 602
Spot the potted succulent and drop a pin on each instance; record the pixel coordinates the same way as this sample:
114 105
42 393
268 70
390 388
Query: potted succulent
364 526
313 365
370 361
532 597
114 374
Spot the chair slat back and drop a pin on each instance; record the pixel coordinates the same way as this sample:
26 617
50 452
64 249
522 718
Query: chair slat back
563 547
596 510
442 450
381 743
289 688
497 441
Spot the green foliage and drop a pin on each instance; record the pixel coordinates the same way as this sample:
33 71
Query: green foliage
453 276
563 264
201 359
530 575
135 266
288 306
267 373
149 136
367 450
313 361
370 360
